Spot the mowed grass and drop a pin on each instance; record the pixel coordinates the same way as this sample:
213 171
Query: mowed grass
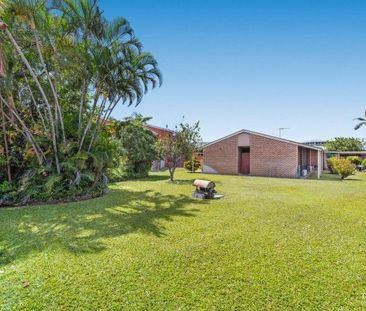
269 244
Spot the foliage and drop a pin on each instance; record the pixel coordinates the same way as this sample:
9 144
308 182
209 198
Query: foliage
342 166
149 236
362 121
176 148
364 163
6 187
330 163
355 160
63 70
137 146
196 165
345 144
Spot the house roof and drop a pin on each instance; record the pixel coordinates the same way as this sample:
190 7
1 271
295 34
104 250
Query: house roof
159 128
243 131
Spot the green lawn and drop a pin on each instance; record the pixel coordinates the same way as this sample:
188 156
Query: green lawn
270 243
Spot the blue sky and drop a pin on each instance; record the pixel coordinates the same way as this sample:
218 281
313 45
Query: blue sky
258 65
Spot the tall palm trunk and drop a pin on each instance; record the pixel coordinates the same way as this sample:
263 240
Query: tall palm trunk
6 147
101 121
53 89
82 104
26 63
10 99
92 113
97 125
36 105
2 63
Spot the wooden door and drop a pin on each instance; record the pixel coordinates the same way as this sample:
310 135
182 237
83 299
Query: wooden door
245 163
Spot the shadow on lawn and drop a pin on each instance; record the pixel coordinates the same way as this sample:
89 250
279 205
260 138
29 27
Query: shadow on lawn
80 227
164 178
336 178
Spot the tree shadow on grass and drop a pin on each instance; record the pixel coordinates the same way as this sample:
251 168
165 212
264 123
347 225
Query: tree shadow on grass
151 178
163 178
335 177
81 227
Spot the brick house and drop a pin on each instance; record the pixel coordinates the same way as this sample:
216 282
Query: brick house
159 133
251 153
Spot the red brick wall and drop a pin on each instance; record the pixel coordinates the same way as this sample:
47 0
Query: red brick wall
268 157
223 156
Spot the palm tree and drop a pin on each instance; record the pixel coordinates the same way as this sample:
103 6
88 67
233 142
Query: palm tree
84 21
362 122
72 67
2 25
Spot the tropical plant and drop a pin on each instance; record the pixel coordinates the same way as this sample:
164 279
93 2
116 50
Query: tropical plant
63 70
176 148
362 121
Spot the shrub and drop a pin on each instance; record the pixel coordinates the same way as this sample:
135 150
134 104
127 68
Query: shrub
330 163
355 160
137 149
6 187
364 163
343 167
196 165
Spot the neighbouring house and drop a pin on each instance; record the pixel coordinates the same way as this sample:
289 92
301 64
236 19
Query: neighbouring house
316 143
251 153
199 153
159 133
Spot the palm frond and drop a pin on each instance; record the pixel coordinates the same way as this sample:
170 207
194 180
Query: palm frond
359 125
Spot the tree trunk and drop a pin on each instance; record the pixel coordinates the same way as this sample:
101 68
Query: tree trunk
52 126
6 148
53 89
82 104
2 63
171 173
88 125
10 100
97 126
36 105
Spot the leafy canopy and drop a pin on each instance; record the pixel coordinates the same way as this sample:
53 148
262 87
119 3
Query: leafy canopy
179 146
137 147
345 144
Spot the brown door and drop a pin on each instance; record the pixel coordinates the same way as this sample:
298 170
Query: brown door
245 162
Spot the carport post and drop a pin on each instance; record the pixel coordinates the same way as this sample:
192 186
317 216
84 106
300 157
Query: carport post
319 164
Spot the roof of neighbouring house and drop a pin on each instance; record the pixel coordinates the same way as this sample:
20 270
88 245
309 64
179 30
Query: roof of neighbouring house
243 131
152 127
315 142
347 152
